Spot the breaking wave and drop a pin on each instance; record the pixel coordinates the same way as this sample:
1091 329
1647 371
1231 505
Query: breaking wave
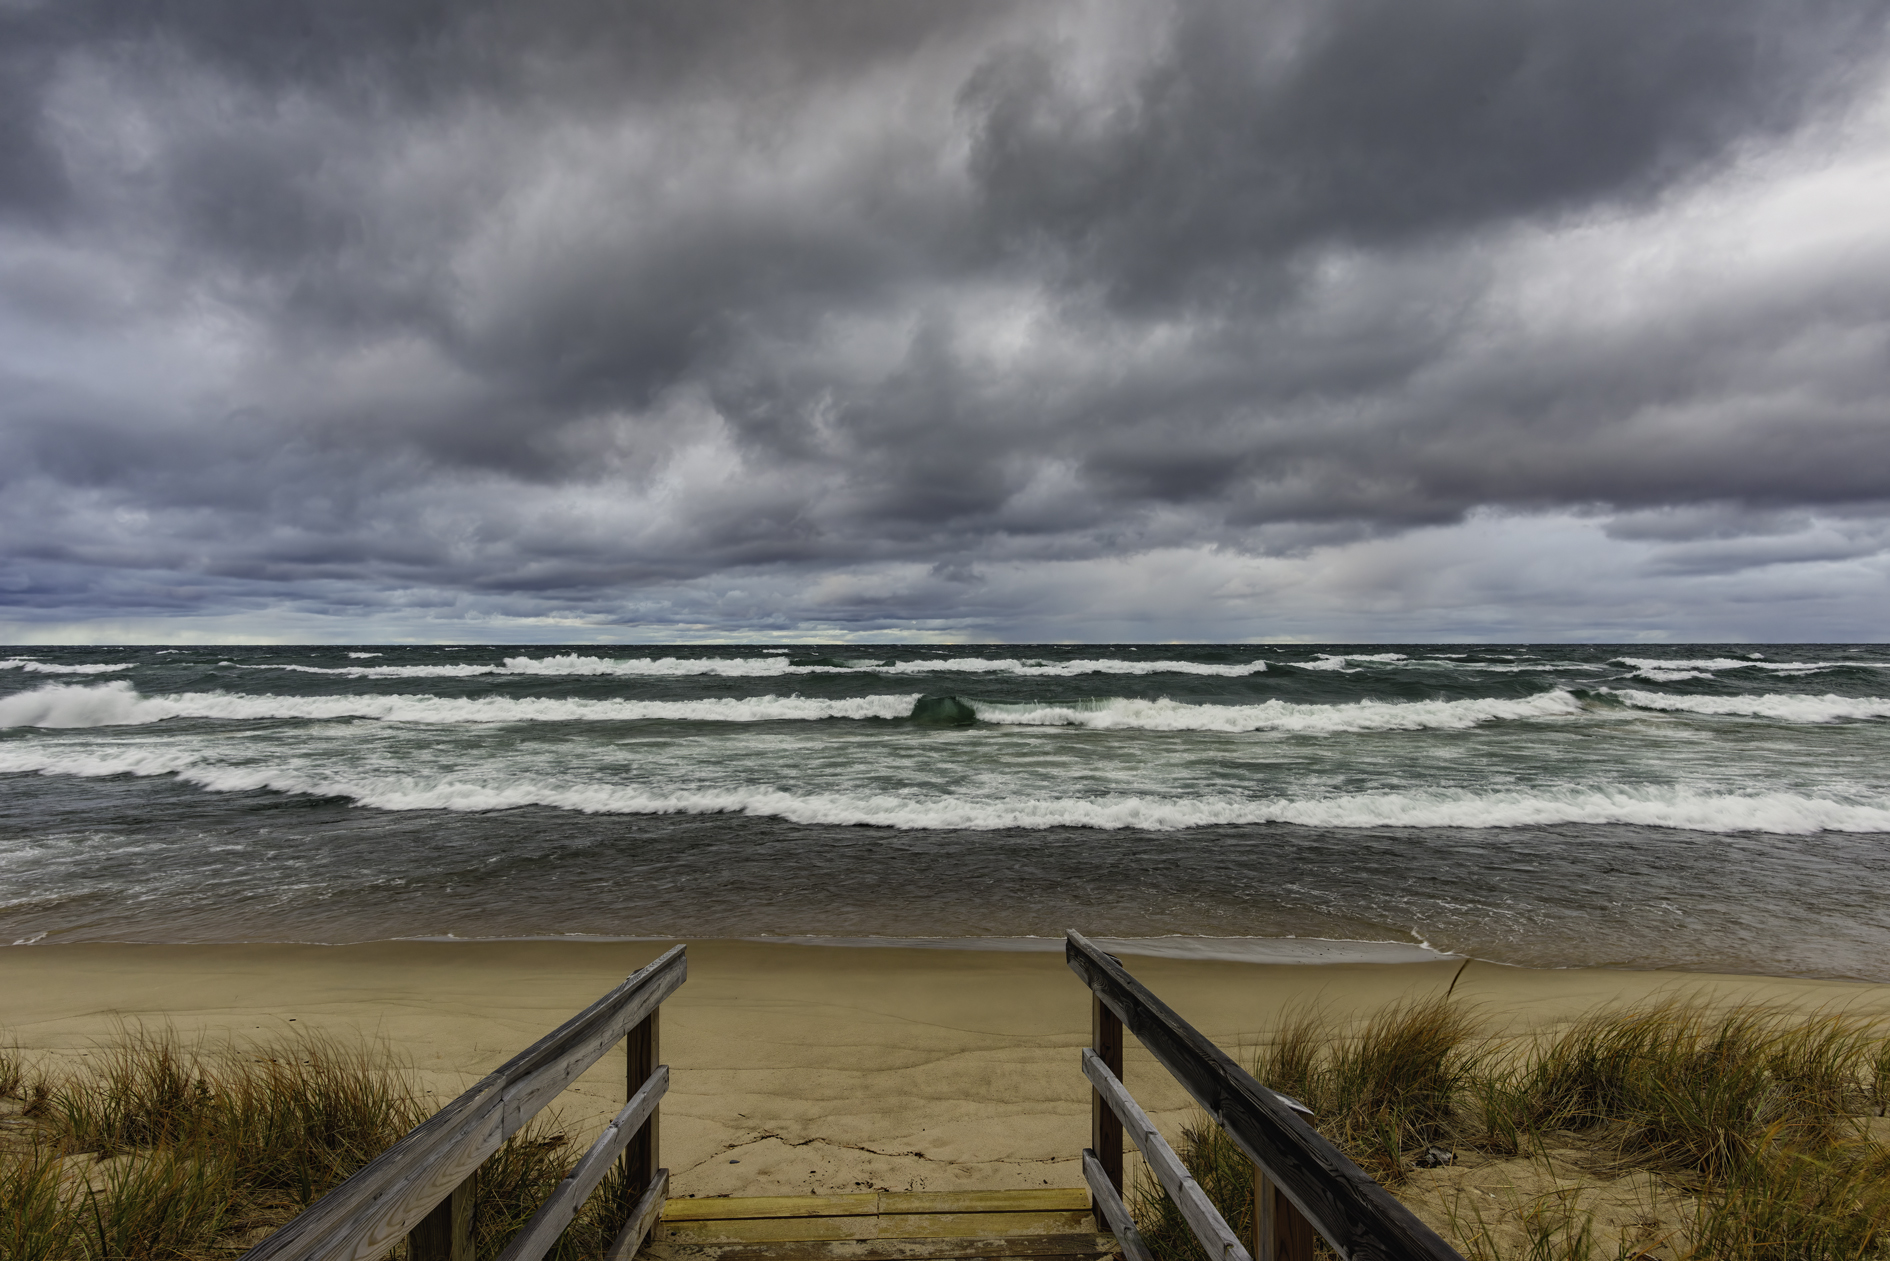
1661 807
29 666
1676 670
117 704
1783 707
574 665
1118 713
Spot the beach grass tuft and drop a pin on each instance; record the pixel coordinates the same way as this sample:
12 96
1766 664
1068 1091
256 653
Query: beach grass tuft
1392 1086
152 1149
12 1072
1748 1131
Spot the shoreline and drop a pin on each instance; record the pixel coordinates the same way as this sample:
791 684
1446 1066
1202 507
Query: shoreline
1290 950
800 1067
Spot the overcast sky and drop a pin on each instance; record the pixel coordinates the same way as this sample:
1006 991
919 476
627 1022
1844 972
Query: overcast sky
366 320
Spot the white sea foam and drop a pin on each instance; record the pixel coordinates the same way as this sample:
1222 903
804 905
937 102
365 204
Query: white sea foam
92 764
1119 713
1781 706
380 672
572 664
29 666
363 655
116 704
1330 661
1733 663
1663 807
1493 667
569 663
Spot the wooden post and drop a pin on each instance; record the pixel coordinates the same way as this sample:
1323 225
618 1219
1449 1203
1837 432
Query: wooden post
644 1051
445 1234
1105 1128
1280 1231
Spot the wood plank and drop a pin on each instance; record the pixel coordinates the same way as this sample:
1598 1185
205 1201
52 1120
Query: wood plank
1087 1246
1033 1200
765 1229
981 1225
643 1051
362 1219
878 1226
1114 1211
726 1208
445 1234
1281 1231
643 1215
1217 1239
568 1196
1358 1217
867 1203
1105 1128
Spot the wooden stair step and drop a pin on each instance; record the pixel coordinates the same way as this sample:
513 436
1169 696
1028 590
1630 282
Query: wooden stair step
877 1226
1076 1246
873 1203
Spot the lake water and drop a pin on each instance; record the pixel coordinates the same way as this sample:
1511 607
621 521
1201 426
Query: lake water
1719 808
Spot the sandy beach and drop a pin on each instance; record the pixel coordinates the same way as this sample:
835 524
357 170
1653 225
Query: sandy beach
797 1069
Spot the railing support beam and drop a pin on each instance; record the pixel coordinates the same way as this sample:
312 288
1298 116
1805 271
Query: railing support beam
445 1234
643 1049
1280 1231
1105 1127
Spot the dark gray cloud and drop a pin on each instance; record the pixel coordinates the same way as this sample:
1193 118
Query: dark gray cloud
864 314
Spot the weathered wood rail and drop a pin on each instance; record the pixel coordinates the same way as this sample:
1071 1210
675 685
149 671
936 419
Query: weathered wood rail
1302 1183
422 1186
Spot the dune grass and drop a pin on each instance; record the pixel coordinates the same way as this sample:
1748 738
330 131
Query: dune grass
154 1151
1757 1118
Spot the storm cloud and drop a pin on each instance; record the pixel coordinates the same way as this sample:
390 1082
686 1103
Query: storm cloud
1350 319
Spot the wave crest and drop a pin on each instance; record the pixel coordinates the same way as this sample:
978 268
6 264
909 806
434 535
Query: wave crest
117 704
1782 707
1125 713
574 665
1685 809
29 666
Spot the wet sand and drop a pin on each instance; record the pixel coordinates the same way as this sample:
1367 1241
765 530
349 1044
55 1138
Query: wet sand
797 1069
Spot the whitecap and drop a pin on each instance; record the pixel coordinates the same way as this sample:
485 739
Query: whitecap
1679 808
1732 663
1782 706
30 666
116 704
1127 713
572 664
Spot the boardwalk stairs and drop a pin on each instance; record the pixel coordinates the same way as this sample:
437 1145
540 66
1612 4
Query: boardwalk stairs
420 1190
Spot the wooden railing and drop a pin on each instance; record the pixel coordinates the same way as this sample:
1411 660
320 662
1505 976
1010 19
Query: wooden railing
1302 1183
422 1186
